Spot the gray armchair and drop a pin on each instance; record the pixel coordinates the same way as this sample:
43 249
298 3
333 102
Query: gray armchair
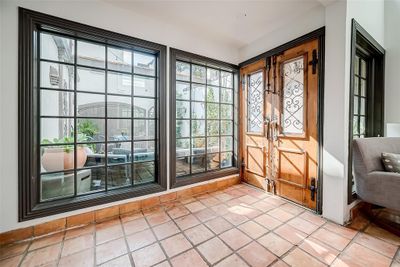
373 184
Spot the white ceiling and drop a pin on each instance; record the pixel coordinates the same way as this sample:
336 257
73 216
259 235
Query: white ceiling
237 23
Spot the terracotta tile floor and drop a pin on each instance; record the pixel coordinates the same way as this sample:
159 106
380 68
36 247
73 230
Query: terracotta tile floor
239 226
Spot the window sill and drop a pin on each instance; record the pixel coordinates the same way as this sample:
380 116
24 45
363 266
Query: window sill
201 177
64 205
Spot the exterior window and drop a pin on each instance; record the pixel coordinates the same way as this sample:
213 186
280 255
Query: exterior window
97 115
360 97
204 118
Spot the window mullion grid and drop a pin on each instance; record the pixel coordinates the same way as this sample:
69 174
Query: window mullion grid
156 122
190 120
205 125
106 122
132 120
39 169
75 115
219 120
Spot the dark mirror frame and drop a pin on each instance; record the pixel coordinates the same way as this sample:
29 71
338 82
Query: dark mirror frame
28 186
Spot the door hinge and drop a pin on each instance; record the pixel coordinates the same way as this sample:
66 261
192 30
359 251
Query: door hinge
314 61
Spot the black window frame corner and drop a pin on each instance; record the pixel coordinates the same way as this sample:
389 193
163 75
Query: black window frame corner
365 46
29 207
180 55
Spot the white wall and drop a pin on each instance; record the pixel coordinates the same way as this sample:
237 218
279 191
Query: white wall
95 13
392 46
296 27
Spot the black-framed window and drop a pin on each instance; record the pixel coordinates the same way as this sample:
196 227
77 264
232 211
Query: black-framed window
92 105
203 135
366 105
360 95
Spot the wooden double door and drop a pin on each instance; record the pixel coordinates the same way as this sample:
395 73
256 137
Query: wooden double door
279 123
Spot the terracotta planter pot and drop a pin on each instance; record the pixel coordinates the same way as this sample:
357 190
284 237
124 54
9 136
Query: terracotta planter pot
56 159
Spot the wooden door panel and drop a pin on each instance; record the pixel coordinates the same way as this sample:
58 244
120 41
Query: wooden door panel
285 148
292 167
256 160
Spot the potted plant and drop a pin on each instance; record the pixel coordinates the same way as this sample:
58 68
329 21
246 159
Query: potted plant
62 157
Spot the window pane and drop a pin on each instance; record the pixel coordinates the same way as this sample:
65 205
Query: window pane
119 129
212 128
182 110
355 107
226 79
198 110
198 164
363 88
144 86
226 96
182 166
226 128
363 68
198 146
144 64
182 147
182 90
198 92
212 76
90 105
182 128
144 173
212 144
356 85
198 74
226 143
91 80
57 48
293 97
363 107
255 103
57 185
212 94
91 54
182 71
144 107
118 83
95 154
213 161
119 59
357 65
119 176
144 151
226 159
355 125
91 129
119 106
56 130
212 111
56 103
362 125
226 112
91 180
118 153
144 129
198 128
59 158
56 76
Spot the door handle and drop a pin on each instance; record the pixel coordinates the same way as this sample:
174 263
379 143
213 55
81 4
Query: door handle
313 188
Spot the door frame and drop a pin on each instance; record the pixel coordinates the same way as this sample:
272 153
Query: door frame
320 35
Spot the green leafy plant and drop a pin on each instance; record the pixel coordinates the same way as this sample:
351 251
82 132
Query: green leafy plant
88 128
66 141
